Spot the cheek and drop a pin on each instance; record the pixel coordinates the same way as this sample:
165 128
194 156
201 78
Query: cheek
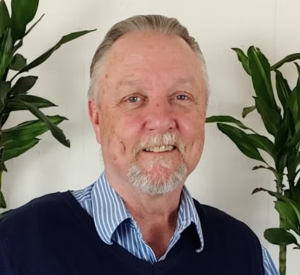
193 133
129 127
122 132
193 126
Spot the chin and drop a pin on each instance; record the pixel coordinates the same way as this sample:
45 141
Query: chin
158 180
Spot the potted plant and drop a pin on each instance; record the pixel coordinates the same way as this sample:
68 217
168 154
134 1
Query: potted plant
14 91
281 119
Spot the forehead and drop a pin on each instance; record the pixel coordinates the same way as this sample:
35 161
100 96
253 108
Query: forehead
146 56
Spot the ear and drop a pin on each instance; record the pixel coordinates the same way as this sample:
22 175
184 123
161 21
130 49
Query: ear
94 114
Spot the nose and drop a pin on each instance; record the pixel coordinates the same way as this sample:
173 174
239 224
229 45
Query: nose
160 118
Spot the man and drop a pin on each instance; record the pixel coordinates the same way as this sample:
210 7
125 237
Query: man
147 104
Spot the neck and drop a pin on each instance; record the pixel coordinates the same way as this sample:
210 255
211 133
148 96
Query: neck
156 216
144 206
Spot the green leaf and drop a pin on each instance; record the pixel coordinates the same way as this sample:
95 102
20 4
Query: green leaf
263 143
283 88
294 107
243 59
297 88
284 133
289 58
296 208
23 85
280 236
4 17
14 104
19 149
2 163
282 140
261 77
226 119
20 43
271 119
2 200
248 110
27 131
263 167
295 140
297 161
32 27
48 53
18 46
267 168
5 51
56 132
240 140
18 62
296 195
272 193
287 211
293 104
23 11
281 162
4 89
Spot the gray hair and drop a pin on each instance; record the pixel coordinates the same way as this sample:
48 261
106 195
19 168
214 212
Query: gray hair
156 23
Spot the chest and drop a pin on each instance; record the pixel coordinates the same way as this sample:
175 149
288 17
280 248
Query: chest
82 257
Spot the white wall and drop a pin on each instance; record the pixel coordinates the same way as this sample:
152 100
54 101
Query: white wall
223 178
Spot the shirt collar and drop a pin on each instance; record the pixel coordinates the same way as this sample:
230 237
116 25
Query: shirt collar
188 214
109 211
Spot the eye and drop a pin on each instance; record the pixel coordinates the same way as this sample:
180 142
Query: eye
182 97
133 99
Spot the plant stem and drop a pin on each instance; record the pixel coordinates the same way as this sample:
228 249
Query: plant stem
2 203
282 250
282 260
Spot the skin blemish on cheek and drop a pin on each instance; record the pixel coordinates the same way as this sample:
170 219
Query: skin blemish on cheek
157 105
122 144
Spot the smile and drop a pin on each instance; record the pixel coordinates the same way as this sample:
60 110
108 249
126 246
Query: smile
163 148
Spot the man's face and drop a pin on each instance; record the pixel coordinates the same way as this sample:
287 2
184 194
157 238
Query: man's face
152 108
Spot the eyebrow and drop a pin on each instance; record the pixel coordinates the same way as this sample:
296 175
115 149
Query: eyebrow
122 83
179 81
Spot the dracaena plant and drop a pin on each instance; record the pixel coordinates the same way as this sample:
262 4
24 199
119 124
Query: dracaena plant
14 91
279 108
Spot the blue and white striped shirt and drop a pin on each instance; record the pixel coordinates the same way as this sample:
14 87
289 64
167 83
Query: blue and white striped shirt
114 223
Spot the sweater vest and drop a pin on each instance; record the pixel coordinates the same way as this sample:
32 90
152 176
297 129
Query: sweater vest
54 235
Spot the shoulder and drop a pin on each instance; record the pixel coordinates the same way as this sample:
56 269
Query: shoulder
37 210
217 220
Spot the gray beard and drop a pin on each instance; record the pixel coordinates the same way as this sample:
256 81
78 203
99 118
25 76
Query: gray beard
144 183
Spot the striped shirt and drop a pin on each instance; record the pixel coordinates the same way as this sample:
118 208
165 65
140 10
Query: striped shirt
114 223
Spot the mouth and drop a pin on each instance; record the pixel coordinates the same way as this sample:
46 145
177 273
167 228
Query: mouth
160 149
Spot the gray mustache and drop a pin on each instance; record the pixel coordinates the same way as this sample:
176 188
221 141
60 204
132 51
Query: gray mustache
166 139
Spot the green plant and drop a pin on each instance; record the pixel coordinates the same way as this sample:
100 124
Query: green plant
279 109
290 211
13 93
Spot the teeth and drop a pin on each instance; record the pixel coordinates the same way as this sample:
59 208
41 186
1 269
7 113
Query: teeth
156 149
163 148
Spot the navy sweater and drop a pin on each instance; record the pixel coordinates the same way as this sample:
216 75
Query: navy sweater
53 235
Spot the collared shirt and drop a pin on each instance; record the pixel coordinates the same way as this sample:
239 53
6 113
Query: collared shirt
114 223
